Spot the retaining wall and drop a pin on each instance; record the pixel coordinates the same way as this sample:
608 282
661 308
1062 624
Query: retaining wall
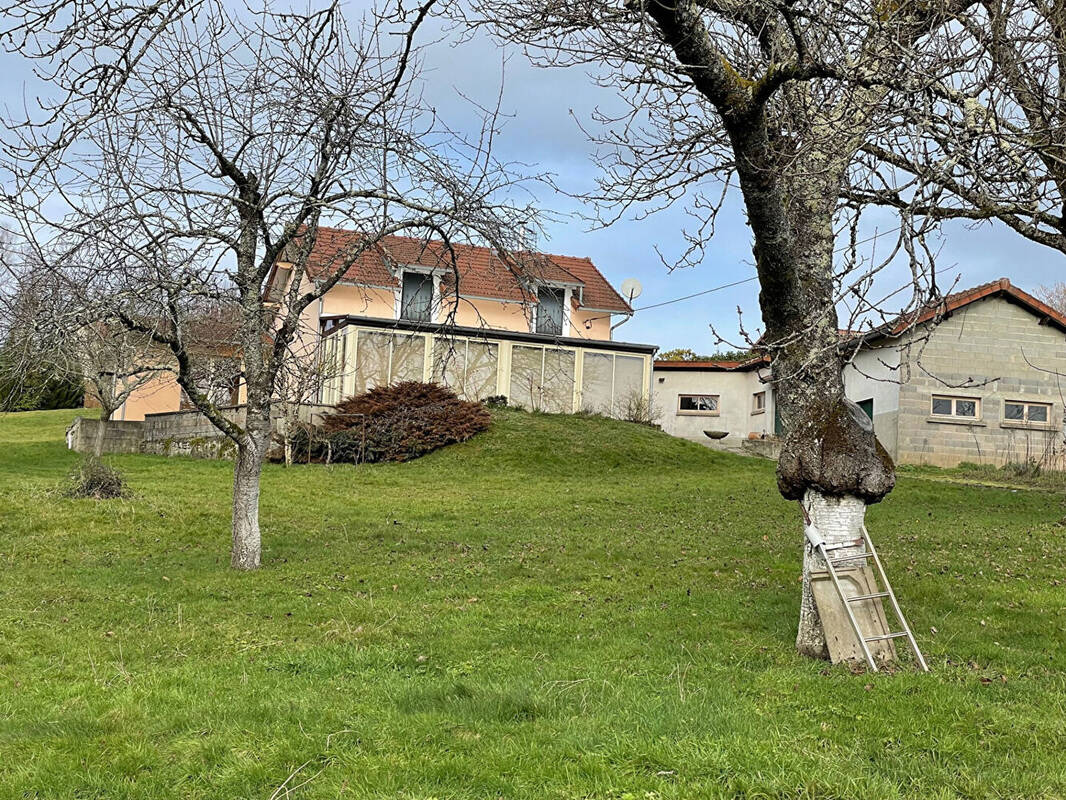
177 433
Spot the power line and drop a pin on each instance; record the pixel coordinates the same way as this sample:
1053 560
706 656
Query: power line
697 294
877 235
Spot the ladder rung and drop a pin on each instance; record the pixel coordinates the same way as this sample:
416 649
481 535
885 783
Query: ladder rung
874 596
886 636
844 559
842 545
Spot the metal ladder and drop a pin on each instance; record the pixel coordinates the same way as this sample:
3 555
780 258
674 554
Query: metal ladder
864 539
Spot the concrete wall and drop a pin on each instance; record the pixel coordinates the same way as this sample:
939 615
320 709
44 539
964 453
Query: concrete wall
181 433
188 433
119 436
735 391
991 341
874 375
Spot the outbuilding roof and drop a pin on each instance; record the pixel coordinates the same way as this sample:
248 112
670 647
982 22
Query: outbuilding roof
1000 288
716 366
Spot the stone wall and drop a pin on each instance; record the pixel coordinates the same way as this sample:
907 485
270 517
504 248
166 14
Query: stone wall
119 436
188 433
995 352
178 433
769 447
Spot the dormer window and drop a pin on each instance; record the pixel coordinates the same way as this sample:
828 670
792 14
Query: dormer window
550 310
416 299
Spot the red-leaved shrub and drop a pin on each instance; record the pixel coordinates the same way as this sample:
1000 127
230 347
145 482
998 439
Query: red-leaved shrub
398 422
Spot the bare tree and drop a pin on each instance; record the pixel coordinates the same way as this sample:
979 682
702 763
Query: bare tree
781 98
114 363
51 338
1054 295
297 389
987 139
188 149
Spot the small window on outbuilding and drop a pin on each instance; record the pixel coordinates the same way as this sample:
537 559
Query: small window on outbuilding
957 407
1023 411
697 404
758 402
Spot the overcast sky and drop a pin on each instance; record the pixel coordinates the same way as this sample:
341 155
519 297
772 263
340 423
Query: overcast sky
544 107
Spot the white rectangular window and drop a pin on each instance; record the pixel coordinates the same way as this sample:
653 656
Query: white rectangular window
550 310
1021 411
697 404
956 407
758 403
416 300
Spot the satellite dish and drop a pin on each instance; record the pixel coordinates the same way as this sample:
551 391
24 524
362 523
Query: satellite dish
631 289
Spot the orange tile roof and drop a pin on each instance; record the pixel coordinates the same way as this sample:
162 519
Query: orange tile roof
481 271
1002 287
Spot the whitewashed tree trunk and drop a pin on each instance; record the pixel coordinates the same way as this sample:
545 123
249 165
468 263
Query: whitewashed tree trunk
247 548
837 519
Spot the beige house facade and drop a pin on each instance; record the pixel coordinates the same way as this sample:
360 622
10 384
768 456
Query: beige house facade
980 379
539 333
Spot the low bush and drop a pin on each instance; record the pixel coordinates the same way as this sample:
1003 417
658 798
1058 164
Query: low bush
96 480
392 423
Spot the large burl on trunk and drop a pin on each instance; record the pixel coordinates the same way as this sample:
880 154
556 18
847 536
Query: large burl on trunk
832 450
833 464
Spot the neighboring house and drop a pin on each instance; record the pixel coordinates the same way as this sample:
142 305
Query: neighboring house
217 373
981 379
540 335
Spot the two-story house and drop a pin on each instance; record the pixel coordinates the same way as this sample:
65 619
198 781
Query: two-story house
539 334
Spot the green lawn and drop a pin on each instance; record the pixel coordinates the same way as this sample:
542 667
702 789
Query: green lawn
561 608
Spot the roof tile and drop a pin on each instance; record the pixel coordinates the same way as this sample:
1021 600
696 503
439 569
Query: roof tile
481 271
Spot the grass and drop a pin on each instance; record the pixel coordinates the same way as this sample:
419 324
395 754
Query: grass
559 608
1031 475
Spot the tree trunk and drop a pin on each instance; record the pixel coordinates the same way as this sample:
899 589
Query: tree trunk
830 457
247 548
837 519
101 430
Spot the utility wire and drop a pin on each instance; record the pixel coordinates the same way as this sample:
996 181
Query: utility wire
754 277
877 235
697 294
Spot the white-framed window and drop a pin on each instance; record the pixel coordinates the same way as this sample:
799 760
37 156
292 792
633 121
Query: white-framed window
551 310
416 296
758 402
956 407
1024 411
698 404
